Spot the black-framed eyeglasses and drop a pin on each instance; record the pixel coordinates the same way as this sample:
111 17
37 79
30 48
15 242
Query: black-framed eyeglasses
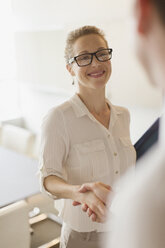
86 58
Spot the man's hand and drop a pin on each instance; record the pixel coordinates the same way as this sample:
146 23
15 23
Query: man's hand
101 191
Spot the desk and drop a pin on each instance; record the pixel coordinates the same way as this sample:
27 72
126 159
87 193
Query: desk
18 176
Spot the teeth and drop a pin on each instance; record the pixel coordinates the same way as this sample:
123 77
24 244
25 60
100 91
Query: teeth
96 74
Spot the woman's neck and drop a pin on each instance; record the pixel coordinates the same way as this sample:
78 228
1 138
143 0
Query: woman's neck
94 100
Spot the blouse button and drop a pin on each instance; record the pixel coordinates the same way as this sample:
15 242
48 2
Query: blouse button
116 172
115 154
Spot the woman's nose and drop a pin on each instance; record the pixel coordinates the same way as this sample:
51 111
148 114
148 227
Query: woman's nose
95 61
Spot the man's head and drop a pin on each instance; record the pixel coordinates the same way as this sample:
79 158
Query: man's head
150 21
160 7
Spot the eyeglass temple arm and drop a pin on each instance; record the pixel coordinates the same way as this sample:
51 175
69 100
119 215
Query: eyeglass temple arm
71 60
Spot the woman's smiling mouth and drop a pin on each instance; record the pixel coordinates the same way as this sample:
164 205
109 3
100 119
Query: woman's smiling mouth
96 74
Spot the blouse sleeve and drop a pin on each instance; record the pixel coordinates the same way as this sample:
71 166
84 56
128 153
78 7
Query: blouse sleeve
54 146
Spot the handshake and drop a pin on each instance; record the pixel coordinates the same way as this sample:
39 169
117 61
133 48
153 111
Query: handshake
95 200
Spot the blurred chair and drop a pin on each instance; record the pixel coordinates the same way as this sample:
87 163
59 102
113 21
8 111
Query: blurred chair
18 139
46 230
44 203
44 222
14 226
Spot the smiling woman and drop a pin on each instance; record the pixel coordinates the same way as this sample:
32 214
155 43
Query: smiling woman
93 66
81 142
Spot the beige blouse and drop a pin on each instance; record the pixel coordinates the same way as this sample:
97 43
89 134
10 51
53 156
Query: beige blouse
79 149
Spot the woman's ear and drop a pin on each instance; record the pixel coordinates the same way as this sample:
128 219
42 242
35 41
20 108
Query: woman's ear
70 69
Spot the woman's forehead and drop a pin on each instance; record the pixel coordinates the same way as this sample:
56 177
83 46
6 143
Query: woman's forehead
88 43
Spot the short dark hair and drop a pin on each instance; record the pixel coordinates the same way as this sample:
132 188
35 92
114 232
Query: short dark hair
160 6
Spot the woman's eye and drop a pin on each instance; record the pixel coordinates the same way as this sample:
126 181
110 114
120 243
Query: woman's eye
86 57
103 54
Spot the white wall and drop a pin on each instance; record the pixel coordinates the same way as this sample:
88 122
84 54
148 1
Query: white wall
53 14
41 27
40 58
7 55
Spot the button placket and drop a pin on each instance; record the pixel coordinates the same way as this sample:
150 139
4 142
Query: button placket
116 167
115 157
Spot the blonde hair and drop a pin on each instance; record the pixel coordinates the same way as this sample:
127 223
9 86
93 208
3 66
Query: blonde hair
77 33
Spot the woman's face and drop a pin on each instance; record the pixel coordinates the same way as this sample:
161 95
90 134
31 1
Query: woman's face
96 74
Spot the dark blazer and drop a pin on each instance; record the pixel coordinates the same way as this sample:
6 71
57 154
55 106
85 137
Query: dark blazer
147 140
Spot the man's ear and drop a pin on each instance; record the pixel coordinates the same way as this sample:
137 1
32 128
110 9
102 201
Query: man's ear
143 12
70 69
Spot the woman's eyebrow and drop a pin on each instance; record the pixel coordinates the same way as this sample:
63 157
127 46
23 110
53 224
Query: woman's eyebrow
82 52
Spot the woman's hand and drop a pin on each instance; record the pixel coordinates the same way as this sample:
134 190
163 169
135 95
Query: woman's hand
102 192
95 205
85 194
100 189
